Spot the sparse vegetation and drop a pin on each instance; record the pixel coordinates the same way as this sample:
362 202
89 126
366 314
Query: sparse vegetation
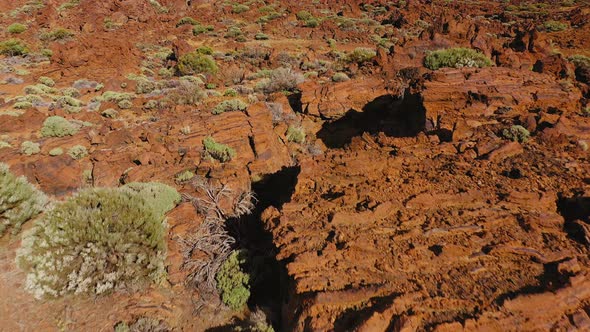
29 148
100 240
516 133
361 55
13 47
295 134
340 77
456 58
56 126
240 8
56 152
196 63
184 176
218 151
554 26
19 201
16 28
281 79
229 106
308 19
78 152
232 282
56 35
187 20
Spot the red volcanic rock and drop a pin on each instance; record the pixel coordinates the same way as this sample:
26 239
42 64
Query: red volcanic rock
332 101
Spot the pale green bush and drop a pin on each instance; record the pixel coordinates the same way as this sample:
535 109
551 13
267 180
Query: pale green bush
29 148
19 201
56 126
99 240
218 151
230 106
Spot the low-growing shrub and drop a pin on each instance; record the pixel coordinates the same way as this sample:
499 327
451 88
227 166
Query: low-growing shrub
206 50
218 151
554 26
19 201
47 81
199 29
160 197
56 152
261 36
13 47
56 126
229 106
29 148
184 176
295 134
196 63
22 105
187 20
240 8
187 93
281 79
56 34
78 152
16 28
308 19
230 93
516 133
456 58
109 113
100 240
340 77
361 55
233 283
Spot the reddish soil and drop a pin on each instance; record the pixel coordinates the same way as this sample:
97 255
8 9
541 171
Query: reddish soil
405 209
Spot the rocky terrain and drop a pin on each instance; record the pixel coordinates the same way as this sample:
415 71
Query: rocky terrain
366 165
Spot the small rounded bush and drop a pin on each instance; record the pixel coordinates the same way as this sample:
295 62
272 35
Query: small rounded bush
48 81
517 133
56 126
232 283
295 134
19 201
229 106
361 55
13 47
456 58
29 148
78 152
340 77
218 151
56 152
195 63
17 28
160 197
100 240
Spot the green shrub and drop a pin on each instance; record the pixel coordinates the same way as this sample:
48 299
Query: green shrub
16 28
206 50
199 29
47 81
56 152
19 201
78 152
56 126
229 106
232 283
184 176
280 79
516 133
196 63
187 20
307 19
361 55
456 58
22 105
295 134
240 8
39 89
218 151
100 240
340 77
13 47
554 26
29 148
261 36
56 34
230 93
160 197
586 112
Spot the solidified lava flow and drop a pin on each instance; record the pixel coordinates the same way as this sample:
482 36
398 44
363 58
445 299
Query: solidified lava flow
407 165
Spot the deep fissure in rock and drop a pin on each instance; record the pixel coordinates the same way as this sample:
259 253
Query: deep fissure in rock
394 116
270 284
